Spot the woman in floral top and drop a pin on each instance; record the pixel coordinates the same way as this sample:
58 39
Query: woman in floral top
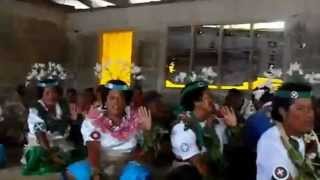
110 134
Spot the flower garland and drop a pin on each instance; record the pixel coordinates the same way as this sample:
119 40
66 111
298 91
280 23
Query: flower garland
305 165
129 124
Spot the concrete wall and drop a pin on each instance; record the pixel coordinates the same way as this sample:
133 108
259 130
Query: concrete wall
151 22
28 34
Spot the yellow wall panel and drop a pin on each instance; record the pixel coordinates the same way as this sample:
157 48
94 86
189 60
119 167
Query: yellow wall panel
116 55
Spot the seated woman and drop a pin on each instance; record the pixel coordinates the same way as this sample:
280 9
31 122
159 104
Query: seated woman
47 149
111 135
197 138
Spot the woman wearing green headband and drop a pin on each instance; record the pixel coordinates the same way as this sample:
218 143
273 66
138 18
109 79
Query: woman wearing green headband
290 149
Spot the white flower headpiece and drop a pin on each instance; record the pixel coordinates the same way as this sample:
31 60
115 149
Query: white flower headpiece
313 78
41 71
296 69
273 72
270 74
135 70
206 74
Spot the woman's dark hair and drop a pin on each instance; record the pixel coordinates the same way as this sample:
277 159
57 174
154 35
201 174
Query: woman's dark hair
189 99
21 90
266 97
185 172
90 93
72 91
151 96
127 94
40 91
285 103
232 97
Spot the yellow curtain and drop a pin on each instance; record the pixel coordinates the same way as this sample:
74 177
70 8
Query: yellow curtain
116 56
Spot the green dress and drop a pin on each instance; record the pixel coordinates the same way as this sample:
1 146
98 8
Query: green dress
36 159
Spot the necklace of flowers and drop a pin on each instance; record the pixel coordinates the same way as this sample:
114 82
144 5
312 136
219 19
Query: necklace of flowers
129 125
304 165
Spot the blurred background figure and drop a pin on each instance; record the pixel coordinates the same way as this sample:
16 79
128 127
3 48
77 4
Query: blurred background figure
137 97
72 95
162 117
79 111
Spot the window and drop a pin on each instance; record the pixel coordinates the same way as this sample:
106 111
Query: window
179 50
236 48
206 47
239 53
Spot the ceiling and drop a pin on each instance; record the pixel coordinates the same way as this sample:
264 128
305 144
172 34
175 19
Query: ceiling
97 4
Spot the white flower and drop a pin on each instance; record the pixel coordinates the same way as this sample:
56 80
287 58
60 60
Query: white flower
313 78
97 69
257 94
59 67
208 72
1 114
277 72
136 69
295 67
29 77
55 73
42 65
27 83
41 74
42 71
311 156
35 66
181 77
38 77
309 137
211 73
210 81
273 72
63 76
140 77
193 76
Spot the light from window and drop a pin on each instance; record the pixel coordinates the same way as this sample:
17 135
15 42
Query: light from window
101 3
280 25
142 1
76 4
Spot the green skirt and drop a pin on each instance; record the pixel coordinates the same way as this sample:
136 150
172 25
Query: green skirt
39 162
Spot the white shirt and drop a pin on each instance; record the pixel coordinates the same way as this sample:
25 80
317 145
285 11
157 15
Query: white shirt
108 143
272 156
184 142
36 123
